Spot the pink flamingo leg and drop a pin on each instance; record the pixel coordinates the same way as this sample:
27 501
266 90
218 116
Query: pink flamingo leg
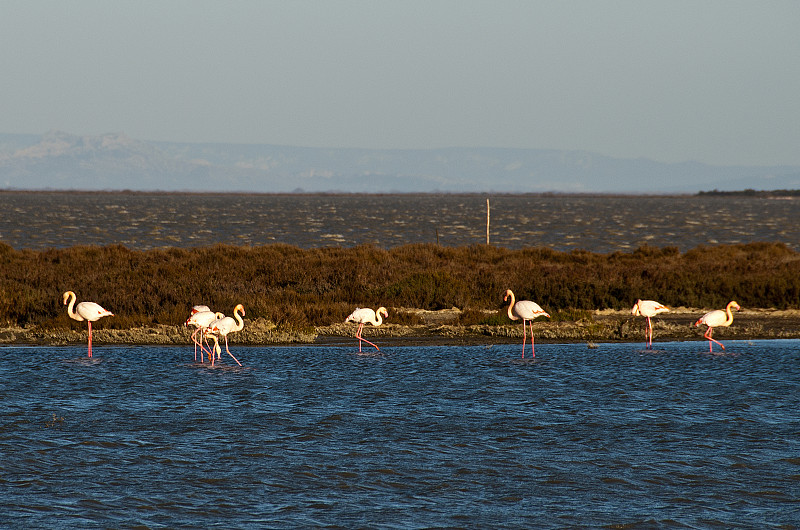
90 338
195 344
229 352
524 330
649 334
533 352
208 349
707 335
360 339
368 342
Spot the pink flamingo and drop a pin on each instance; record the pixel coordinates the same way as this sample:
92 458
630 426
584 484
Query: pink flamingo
226 325
527 311
648 308
717 318
88 311
365 315
201 320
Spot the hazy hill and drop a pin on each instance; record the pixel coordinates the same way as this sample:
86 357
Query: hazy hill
59 160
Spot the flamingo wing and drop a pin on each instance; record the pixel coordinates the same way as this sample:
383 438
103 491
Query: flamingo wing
712 319
361 315
651 308
529 310
222 326
91 311
202 319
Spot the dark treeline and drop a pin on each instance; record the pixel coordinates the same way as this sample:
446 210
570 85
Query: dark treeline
298 288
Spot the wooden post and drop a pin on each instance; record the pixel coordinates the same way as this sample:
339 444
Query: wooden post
487 221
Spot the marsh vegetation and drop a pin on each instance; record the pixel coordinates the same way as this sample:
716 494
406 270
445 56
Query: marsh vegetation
297 289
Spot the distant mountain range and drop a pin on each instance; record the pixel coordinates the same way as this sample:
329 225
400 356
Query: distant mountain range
59 160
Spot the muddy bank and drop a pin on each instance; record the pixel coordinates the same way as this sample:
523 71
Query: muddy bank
441 327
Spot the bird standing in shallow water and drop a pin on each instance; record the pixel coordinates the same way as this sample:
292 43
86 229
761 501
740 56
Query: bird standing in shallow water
717 318
365 315
200 320
223 327
648 308
88 311
527 311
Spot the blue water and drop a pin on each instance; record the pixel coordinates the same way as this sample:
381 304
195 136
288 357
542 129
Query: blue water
414 437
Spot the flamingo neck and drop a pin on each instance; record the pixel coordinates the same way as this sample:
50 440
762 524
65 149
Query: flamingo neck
71 306
729 317
240 322
378 318
511 314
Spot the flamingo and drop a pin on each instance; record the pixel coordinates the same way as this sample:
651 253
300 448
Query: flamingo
88 311
648 308
717 318
201 319
365 315
226 325
525 310
200 309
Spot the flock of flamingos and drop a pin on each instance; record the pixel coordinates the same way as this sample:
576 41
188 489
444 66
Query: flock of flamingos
213 325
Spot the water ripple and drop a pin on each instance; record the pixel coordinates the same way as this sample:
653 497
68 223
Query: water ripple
39 220
435 436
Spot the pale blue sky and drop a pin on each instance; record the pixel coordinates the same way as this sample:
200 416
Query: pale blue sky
715 81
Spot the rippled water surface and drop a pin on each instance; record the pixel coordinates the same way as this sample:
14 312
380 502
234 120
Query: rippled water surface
414 437
599 224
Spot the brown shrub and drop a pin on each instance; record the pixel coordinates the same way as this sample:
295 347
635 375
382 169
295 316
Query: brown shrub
301 288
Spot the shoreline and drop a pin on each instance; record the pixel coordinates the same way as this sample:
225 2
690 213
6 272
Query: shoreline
440 328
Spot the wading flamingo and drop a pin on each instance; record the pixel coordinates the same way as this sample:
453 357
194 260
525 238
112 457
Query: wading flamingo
365 315
648 308
717 318
201 320
226 325
527 311
88 311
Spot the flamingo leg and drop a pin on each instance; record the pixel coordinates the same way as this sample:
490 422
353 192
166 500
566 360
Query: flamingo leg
360 339
90 338
211 355
195 343
707 335
533 352
208 349
649 334
524 330
229 352
368 342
